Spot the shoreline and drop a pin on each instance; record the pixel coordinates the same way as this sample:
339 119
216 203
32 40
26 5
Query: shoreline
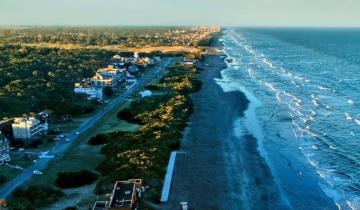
297 182
214 165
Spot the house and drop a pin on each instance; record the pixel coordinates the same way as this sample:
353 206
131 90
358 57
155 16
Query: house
118 57
86 88
109 76
27 128
123 197
145 93
4 149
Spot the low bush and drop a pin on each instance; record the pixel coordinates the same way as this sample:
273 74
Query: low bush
33 197
127 115
98 140
2 179
75 179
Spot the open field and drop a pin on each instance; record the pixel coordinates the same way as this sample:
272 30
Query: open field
149 49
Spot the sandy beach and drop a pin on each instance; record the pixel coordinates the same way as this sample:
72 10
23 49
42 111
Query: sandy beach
215 169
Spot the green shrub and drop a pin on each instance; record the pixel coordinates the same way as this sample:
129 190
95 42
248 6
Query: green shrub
2 179
75 179
34 197
98 140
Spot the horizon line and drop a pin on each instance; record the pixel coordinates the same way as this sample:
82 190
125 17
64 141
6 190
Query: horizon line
175 25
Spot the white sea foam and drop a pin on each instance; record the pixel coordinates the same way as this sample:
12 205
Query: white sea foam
332 147
347 116
349 101
277 95
357 121
299 78
351 205
314 147
267 62
251 73
295 134
270 86
315 103
323 88
312 163
313 112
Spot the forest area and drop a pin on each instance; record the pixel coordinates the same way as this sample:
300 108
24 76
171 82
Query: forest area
33 79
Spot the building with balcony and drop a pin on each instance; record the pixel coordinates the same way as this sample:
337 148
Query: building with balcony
4 149
123 197
27 128
85 87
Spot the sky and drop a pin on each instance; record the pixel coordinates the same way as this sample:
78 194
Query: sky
325 13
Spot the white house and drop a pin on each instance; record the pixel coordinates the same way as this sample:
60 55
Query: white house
145 93
27 128
109 76
4 149
92 92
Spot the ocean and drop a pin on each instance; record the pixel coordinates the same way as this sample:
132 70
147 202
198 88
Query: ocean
304 90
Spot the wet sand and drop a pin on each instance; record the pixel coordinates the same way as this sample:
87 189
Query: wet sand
215 169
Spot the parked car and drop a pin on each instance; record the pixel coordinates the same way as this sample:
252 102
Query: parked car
37 172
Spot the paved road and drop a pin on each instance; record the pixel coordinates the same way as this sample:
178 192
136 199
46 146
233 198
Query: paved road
41 163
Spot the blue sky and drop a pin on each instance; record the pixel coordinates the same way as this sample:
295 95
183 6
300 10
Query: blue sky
181 12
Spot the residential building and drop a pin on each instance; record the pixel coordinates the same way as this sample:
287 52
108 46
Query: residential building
87 88
4 149
109 76
28 128
124 196
145 93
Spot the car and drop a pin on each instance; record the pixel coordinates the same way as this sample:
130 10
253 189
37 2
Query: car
67 139
37 172
77 133
21 149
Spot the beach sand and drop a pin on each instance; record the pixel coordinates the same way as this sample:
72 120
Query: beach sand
215 169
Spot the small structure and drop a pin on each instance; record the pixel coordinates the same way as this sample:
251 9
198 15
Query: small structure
145 93
4 149
118 57
124 196
27 128
184 205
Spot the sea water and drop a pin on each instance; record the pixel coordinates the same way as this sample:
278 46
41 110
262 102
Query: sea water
304 88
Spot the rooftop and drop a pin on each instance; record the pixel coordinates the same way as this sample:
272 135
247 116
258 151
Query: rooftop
123 194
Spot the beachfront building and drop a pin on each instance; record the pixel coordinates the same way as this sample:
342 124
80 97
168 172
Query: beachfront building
27 128
4 149
124 196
